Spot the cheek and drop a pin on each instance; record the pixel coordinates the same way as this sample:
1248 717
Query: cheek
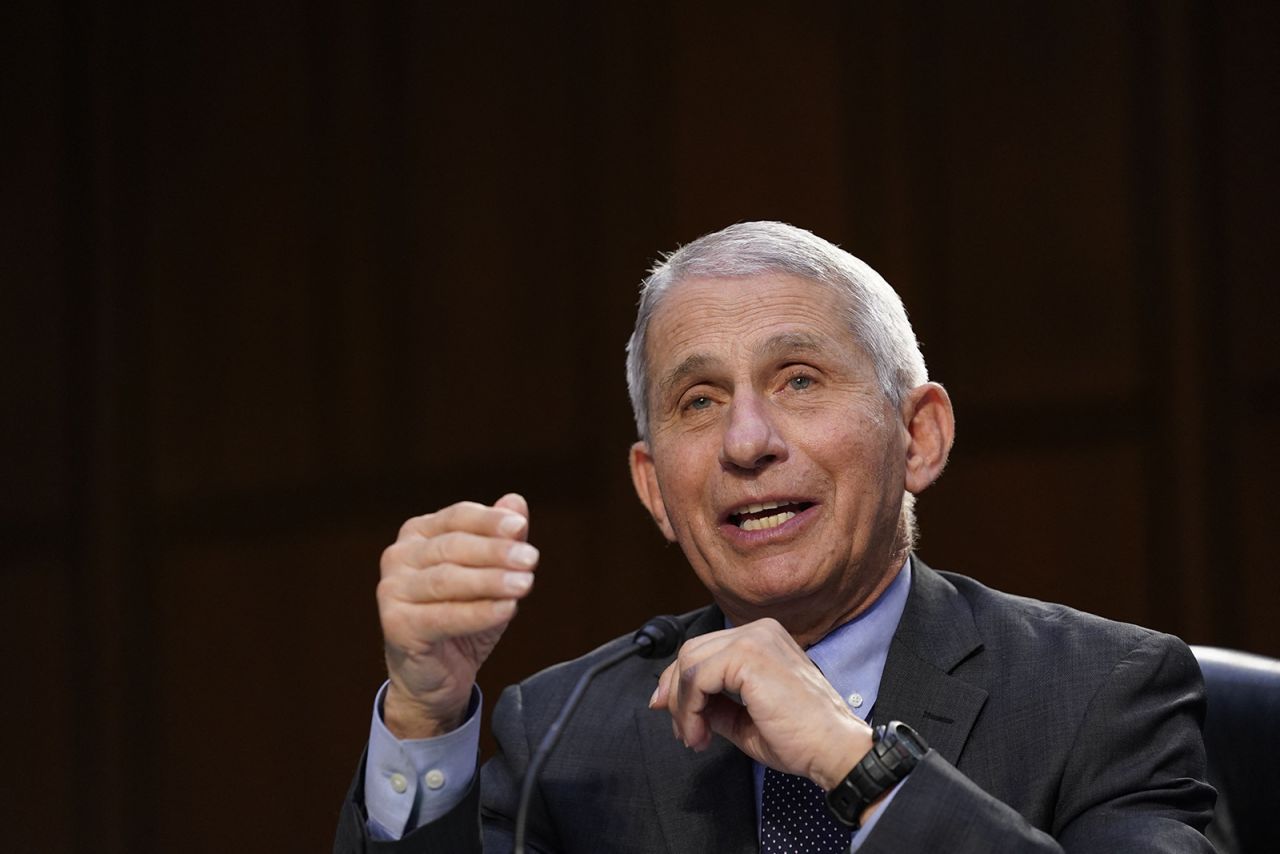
679 488
686 489
684 469
864 468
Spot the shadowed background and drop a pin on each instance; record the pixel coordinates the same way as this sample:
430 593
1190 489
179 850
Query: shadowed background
278 276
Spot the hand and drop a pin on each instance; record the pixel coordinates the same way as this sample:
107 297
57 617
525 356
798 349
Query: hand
449 587
789 717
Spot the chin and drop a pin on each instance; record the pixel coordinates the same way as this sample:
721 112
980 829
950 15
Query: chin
769 594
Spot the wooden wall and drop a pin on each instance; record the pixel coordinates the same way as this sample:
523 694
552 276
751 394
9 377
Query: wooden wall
279 275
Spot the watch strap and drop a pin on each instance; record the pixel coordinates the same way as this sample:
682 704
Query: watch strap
895 749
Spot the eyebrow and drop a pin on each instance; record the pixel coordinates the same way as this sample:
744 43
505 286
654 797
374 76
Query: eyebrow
691 365
775 347
786 343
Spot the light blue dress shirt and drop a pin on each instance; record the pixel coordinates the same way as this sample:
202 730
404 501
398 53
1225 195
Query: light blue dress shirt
413 782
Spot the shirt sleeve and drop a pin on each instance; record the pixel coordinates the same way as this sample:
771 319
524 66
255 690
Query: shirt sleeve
412 782
861 833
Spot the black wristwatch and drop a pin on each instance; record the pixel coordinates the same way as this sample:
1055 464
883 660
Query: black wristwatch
895 750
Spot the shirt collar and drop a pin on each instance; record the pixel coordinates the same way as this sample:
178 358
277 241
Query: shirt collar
852 655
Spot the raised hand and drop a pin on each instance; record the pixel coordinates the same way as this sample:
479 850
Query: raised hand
449 587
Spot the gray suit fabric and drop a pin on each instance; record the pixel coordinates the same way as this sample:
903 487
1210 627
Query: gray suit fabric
1050 730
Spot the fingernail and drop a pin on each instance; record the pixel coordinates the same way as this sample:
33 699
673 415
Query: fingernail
522 555
504 607
654 696
518 582
512 525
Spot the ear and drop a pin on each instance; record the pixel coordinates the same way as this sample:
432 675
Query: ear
931 428
645 479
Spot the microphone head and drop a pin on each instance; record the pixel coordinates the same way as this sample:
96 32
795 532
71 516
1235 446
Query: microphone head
659 637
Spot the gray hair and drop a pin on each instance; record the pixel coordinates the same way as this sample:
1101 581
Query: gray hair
873 309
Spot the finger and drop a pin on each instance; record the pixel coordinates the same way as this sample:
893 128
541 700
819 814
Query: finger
468 516
674 694
763 641
687 681
441 620
516 503
725 716
450 583
694 652
718 669
661 694
466 549
697 648
695 685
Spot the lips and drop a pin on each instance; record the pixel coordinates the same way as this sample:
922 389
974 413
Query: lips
767 514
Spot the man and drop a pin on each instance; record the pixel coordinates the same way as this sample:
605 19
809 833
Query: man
786 424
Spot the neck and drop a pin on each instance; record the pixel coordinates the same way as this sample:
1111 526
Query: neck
808 622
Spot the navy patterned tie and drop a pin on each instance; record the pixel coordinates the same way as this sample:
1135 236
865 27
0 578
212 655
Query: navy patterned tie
794 818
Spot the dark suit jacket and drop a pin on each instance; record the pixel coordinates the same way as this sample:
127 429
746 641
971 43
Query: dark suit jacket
1050 730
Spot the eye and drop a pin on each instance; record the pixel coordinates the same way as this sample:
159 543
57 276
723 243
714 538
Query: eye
800 383
699 402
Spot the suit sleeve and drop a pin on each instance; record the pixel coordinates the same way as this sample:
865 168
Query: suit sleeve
1131 781
502 776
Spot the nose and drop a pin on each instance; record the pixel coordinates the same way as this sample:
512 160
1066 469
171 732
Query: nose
751 437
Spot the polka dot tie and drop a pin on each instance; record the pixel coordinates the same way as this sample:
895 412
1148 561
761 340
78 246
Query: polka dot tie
794 818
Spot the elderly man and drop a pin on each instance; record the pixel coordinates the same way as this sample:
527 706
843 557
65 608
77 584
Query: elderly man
786 424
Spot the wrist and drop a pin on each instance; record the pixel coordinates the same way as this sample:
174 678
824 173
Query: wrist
897 749
874 807
407 718
839 754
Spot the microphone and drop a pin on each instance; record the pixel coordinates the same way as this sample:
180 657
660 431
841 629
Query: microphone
657 638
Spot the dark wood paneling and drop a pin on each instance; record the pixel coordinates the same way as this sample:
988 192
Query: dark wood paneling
260 647
43 723
1077 509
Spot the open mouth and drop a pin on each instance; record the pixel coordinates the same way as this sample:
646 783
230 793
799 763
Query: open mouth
770 514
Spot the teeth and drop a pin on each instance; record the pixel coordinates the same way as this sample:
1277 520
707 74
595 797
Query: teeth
756 508
767 521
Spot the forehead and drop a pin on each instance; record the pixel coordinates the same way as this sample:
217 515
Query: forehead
718 318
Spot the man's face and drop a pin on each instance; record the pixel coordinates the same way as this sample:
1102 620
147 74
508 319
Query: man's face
759 395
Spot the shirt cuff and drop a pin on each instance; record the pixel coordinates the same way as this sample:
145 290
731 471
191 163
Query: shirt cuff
412 782
861 834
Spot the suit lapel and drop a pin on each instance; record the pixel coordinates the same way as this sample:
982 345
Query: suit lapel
935 635
704 801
